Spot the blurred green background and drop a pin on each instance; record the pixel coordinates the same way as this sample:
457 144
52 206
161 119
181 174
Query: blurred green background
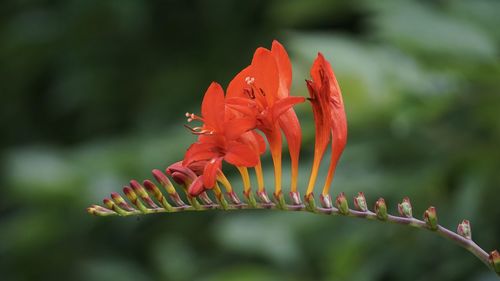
93 94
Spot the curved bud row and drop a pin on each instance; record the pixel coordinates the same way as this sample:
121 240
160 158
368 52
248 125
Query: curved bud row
235 127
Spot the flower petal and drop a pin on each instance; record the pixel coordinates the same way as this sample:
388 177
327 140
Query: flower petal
238 84
197 187
238 126
213 106
284 104
284 68
265 71
240 154
199 151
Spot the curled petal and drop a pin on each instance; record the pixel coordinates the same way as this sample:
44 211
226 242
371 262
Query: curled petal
197 187
181 174
210 172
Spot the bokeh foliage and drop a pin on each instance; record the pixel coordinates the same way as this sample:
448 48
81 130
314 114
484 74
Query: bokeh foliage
93 94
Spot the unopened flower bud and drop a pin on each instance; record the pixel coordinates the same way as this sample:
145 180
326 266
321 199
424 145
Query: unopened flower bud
360 202
279 200
495 261
464 229
431 219
141 192
341 204
180 174
405 209
381 209
310 202
164 181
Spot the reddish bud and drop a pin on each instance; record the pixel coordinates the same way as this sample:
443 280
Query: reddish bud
341 204
360 202
162 179
180 174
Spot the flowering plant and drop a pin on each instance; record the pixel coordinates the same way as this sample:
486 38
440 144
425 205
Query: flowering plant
234 127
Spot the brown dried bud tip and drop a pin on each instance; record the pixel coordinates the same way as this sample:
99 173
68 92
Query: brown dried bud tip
381 209
341 204
360 202
430 217
464 229
404 208
495 261
326 201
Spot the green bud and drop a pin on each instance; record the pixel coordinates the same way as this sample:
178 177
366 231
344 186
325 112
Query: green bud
405 209
381 209
341 204
431 219
495 261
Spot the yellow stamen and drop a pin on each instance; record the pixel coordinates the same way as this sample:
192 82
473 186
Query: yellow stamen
246 178
225 182
260 177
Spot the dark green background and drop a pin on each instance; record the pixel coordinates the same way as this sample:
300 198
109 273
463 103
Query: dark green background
93 94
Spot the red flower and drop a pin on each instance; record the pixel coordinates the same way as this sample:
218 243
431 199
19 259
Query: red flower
329 117
220 138
262 90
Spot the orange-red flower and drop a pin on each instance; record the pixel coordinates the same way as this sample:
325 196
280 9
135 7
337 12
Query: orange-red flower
262 90
220 138
329 117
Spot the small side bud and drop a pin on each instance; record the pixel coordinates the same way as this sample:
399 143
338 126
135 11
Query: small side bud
495 261
464 229
360 202
310 202
405 209
97 210
431 219
250 198
341 204
381 209
279 200
325 201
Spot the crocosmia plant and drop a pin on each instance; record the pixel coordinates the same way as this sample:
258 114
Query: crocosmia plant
253 115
